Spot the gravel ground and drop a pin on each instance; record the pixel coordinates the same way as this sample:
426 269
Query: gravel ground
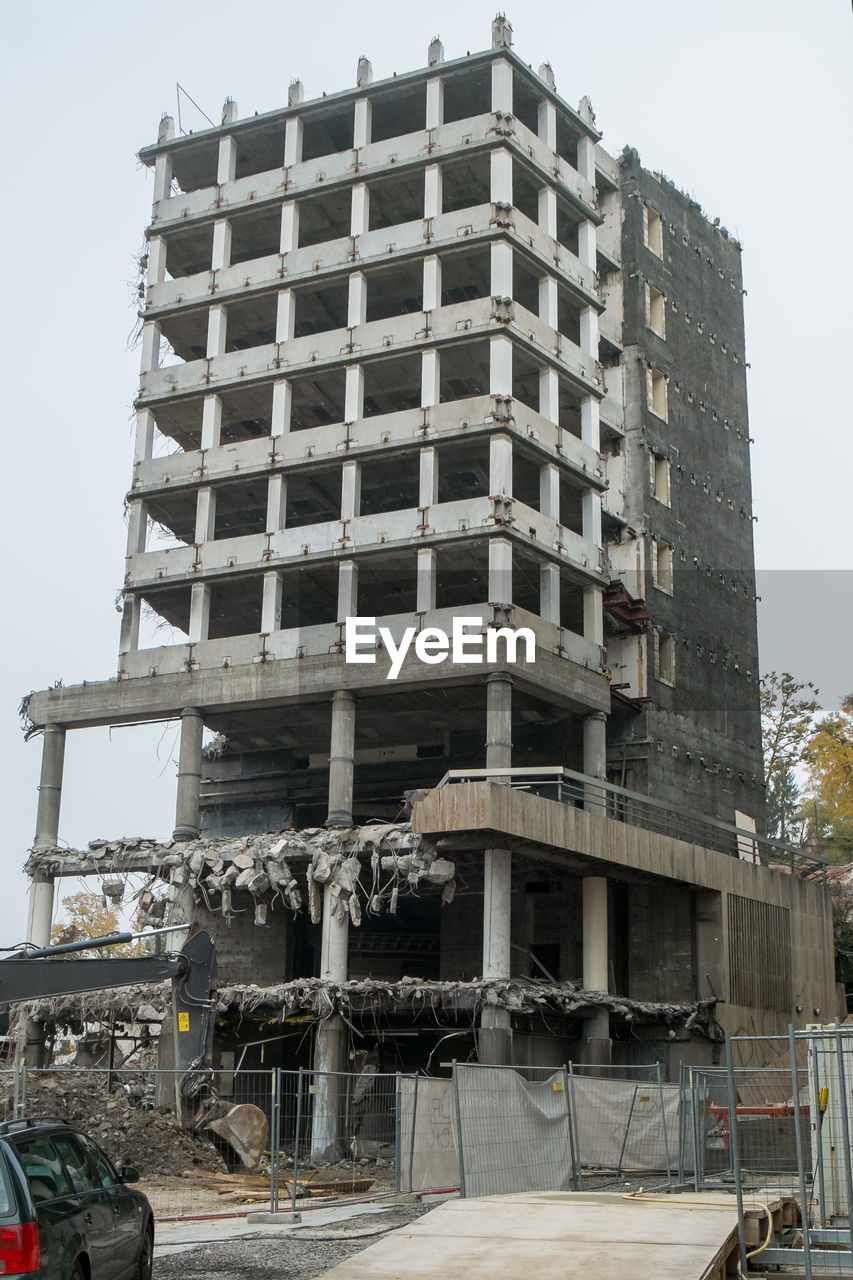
300 1254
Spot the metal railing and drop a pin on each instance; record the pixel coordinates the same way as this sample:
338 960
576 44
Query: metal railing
605 799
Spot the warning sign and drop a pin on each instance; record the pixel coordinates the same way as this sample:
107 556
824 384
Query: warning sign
183 1022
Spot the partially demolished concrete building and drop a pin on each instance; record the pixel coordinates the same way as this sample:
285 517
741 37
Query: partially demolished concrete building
416 352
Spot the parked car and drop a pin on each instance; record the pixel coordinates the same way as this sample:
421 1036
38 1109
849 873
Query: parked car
66 1212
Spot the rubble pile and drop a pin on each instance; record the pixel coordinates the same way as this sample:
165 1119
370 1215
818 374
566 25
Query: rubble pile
150 1140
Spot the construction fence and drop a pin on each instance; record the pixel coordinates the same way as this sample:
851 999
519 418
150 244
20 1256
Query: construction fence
226 1141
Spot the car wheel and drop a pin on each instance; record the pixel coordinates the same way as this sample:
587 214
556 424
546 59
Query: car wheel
145 1262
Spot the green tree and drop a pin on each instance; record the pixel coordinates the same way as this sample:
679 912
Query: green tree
788 709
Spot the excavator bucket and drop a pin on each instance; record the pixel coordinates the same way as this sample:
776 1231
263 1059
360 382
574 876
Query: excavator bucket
242 1132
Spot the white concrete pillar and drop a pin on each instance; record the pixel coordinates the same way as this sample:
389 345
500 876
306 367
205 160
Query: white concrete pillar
40 910
50 787
156 273
226 169
199 624
499 721
500 468
350 489
501 269
289 235
501 176
282 396
587 245
502 86
548 211
293 132
547 123
432 283
362 121
221 255
211 422
593 615
589 331
549 491
217 330
137 526
591 516
354 393
162 177
205 514
360 209
189 775
330 1043
430 377
432 191
596 968
347 590
549 593
549 394
500 571
500 366
143 449
428 478
586 159
131 616
426 580
341 759
591 423
276 502
434 103
149 357
549 302
285 315
271 605
495 1039
357 300
595 750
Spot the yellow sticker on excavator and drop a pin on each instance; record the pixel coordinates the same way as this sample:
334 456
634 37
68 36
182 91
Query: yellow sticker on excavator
183 1022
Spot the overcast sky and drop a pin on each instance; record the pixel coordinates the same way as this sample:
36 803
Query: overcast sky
745 104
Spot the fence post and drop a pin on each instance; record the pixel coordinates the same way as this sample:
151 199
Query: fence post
659 1069
275 1137
398 1133
734 1151
21 1099
298 1129
416 1080
816 1127
798 1142
460 1144
573 1128
570 1119
845 1120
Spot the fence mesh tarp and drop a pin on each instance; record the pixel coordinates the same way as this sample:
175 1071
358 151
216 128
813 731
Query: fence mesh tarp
625 1124
428 1159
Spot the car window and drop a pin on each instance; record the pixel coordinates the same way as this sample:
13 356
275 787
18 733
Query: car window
104 1172
44 1169
74 1158
5 1192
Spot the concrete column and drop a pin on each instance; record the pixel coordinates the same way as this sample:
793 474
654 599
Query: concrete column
590 423
199 612
596 972
330 1043
350 489
589 331
549 394
361 123
271 606
501 272
500 366
347 589
499 720
549 593
131 614
226 169
500 571
285 315
211 422
217 330
354 393
221 256
549 302
433 191
281 405
502 86
40 910
495 1040
156 261
276 503
289 235
357 300
586 159
189 775
549 491
425 602
428 478
501 176
593 615
360 210
434 103
595 747
50 786
293 141
586 245
500 468
205 515
143 449
137 526
591 516
547 122
548 211
341 759
162 177
430 378
149 357
432 283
